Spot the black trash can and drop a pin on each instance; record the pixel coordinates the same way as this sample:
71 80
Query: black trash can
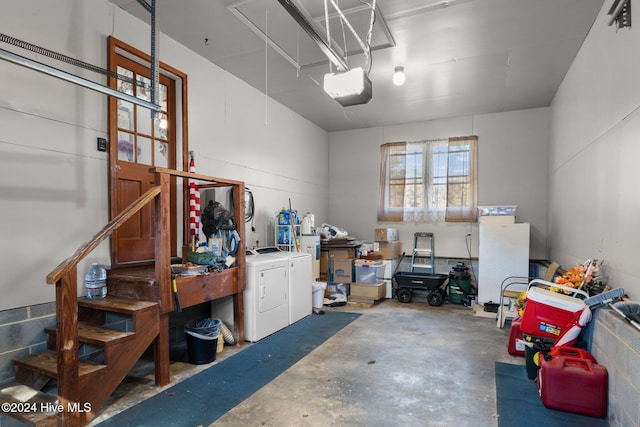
202 340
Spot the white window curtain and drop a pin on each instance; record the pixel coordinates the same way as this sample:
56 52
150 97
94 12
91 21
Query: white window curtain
425 194
428 181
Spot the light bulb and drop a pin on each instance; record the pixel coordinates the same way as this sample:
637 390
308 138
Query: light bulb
399 77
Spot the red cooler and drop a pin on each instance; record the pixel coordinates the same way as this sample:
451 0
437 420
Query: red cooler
549 314
573 384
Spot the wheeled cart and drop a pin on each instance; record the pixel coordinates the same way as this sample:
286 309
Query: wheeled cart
406 283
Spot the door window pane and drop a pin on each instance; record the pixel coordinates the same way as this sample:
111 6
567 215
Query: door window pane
144 151
143 88
143 120
160 125
125 86
125 146
162 97
125 115
161 154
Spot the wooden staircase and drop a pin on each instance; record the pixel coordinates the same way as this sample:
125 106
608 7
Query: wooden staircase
120 350
145 300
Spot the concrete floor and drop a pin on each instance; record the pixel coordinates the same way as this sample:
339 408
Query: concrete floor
397 364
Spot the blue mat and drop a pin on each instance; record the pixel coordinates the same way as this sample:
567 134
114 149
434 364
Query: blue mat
519 403
206 396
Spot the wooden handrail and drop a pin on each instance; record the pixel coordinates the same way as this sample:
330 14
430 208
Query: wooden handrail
91 244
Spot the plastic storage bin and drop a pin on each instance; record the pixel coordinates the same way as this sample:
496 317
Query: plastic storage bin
497 210
368 272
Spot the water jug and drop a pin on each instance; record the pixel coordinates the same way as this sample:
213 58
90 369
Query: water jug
96 281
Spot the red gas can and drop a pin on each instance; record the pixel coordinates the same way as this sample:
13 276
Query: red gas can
567 351
514 347
576 385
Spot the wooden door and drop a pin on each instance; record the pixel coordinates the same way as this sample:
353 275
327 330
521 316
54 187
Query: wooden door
138 142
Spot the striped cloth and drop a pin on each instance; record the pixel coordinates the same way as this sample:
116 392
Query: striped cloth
194 203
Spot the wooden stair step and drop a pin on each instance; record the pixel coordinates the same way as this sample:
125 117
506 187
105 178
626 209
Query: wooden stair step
134 284
42 406
46 363
97 335
117 304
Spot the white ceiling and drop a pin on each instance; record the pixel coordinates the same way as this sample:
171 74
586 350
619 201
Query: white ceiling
460 57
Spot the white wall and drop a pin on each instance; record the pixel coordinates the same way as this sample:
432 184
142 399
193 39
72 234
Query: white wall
512 170
53 182
594 152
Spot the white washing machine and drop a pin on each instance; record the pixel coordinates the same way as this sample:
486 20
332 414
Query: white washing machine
266 302
300 283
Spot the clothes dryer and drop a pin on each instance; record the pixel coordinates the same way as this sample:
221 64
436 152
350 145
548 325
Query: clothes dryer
266 302
300 280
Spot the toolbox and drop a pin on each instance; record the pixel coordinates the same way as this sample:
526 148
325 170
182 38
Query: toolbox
549 314
574 384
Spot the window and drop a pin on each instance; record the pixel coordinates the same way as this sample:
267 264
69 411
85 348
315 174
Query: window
144 139
428 181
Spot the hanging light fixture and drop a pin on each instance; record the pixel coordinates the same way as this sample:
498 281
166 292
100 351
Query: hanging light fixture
399 77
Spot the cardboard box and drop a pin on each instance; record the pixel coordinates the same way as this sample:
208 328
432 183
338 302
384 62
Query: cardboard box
389 250
341 270
340 253
324 263
374 292
497 219
386 234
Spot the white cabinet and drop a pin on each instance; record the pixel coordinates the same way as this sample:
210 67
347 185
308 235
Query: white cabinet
504 252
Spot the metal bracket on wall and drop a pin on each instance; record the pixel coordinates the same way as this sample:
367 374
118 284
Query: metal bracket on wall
81 81
72 78
620 12
155 68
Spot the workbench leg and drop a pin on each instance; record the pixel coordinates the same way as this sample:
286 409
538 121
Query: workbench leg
238 317
161 352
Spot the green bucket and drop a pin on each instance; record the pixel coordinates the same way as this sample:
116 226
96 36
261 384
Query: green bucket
456 295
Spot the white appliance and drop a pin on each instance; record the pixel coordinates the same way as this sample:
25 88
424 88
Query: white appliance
388 270
299 282
504 252
266 303
311 243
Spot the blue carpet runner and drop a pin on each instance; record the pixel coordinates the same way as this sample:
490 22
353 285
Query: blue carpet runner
519 404
204 397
